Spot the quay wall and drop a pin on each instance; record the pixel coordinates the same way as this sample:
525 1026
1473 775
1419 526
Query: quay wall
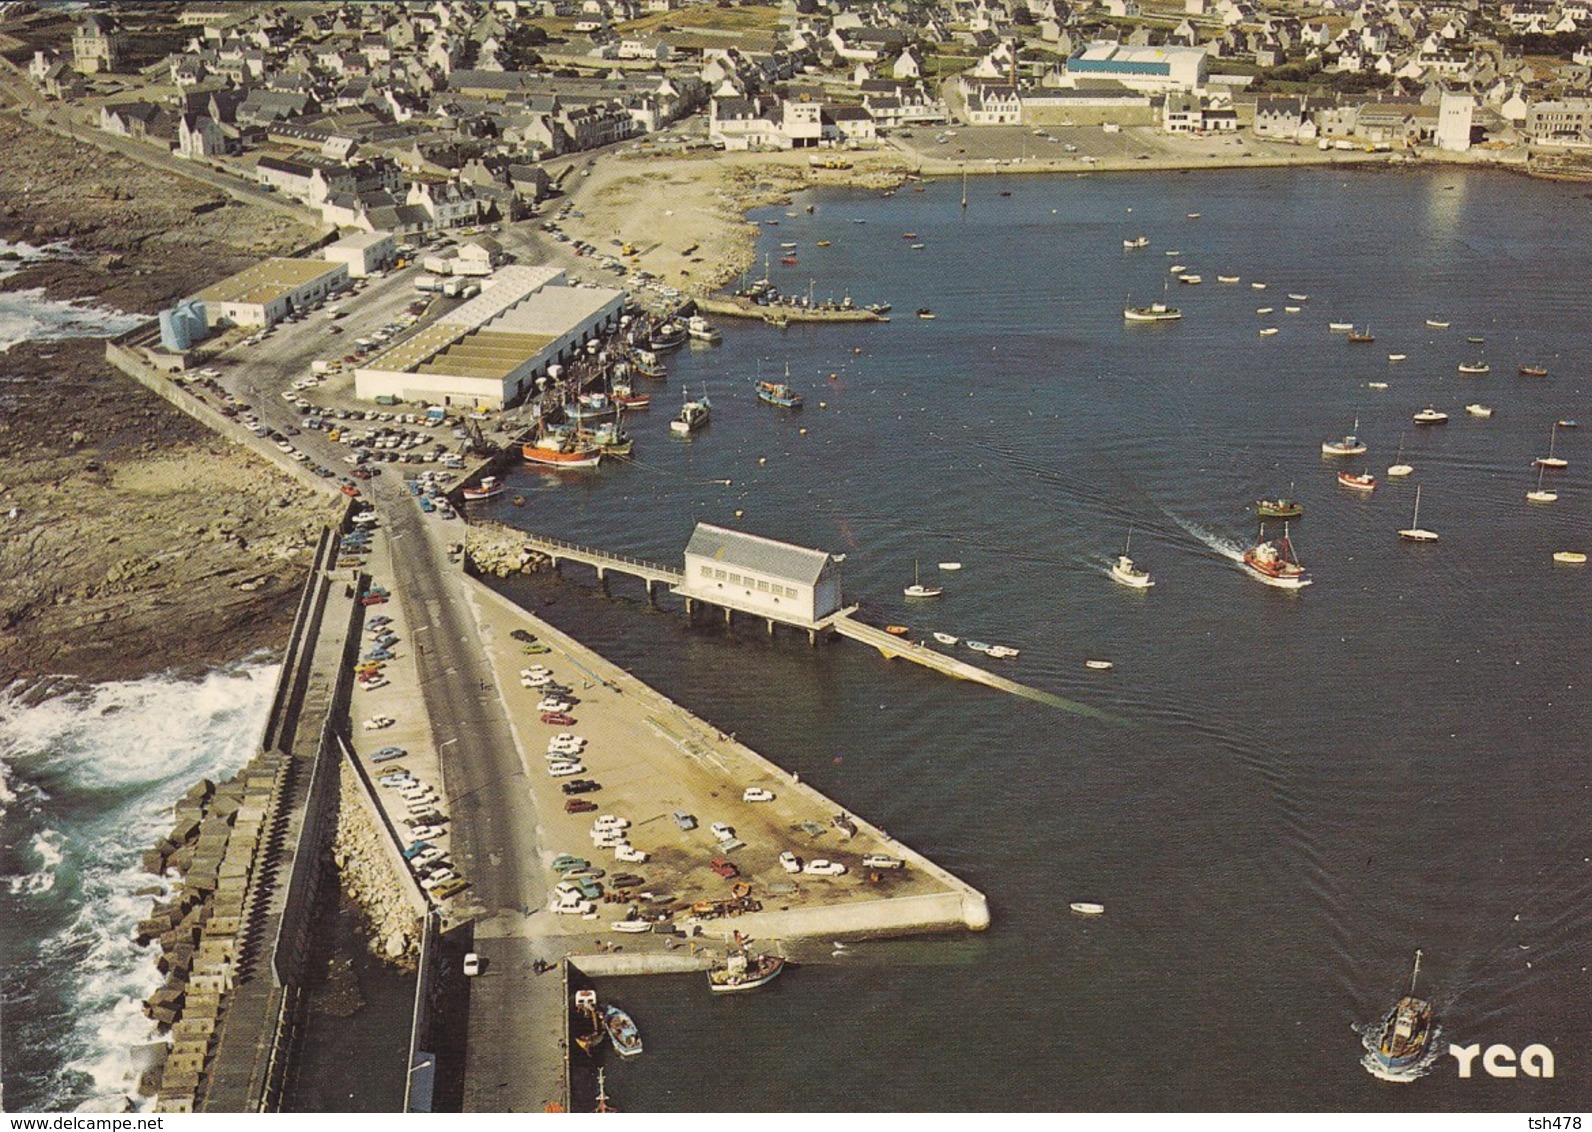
605 964
961 906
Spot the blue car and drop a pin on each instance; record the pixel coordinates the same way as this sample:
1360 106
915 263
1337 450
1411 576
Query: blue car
416 848
378 654
387 754
426 505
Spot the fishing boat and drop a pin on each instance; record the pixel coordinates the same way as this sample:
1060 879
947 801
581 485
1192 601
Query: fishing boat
1397 357
1350 445
1155 312
1268 331
1477 409
1087 908
1414 532
590 407
626 397
1362 335
554 451
1191 279
488 488
702 330
1177 268
1475 367
1569 558
1137 242
670 336
648 365
1125 572
946 638
692 415
1430 416
1550 460
743 972
1365 481
1279 509
1398 467
1340 326
1098 665
918 589
1540 495
1227 279
1003 652
1404 1034
1533 371
925 313
602 1095
613 440
622 1031
1275 563
586 1007
779 392
1437 323
1298 298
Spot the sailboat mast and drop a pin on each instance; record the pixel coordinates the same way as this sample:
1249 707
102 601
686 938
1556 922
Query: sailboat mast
1416 973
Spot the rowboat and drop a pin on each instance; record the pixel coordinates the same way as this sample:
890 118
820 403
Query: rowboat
945 638
1087 908
1097 665
1569 557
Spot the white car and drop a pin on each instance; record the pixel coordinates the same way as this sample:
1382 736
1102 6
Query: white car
372 685
628 853
823 868
441 876
426 856
573 907
425 832
377 722
564 769
881 861
541 681
553 703
472 964
790 862
570 746
757 794
610 821
721 831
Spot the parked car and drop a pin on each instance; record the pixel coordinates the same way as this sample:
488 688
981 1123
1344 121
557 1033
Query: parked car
610 821
387 754
685 821
564 769
449 889
579 806
472 964
378 722
757 794
790 862
566 861
629 854
823 868
580 786
882 861
522 635
626 880
724 868
722 831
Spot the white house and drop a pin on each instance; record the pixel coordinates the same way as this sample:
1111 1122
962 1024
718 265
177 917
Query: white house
746 572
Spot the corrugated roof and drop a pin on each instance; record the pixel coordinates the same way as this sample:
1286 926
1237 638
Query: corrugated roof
761 555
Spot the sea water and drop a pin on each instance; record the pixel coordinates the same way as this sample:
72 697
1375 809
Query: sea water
26 315
87 783
1307 786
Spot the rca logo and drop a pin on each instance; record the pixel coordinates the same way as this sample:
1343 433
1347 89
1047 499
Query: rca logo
1500 1060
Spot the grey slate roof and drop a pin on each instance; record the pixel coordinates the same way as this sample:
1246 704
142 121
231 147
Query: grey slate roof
761 555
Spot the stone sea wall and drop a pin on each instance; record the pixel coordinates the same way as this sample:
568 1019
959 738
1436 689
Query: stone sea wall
496 550
363 854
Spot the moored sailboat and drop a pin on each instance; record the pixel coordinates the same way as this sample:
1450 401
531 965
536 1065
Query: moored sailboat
1414 532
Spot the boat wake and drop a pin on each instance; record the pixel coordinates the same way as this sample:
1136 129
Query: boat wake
1221 544
1370 1032
87 782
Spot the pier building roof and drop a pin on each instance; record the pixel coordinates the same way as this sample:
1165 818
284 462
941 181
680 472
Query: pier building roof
753 552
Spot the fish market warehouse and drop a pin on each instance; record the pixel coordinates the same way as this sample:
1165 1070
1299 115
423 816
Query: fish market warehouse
490 352
267 292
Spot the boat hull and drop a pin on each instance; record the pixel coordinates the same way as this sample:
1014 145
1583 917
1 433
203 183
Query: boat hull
558 458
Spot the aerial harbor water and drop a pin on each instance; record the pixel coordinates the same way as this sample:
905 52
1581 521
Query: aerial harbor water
1309 785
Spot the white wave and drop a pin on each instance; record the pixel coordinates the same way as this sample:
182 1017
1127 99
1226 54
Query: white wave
1226 547
27 315
98 770
49 850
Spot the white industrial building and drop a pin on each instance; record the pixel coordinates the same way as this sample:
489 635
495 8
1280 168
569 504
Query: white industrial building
490 352
266 293
1152 69
363 252
776 580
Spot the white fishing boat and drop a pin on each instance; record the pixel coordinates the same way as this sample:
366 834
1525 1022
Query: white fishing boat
1475 368
1126 573
1097 665
917 588
1477 409
1414 532
1264 310
1430 416
1350 445
1340 326
1397 357
950 566
946 638
1258 286
692 416
1267 331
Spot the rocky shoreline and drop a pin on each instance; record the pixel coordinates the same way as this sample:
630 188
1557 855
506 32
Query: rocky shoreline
392 930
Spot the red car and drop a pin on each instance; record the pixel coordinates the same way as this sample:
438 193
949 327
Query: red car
558 719
724 868
373 599
351 490
579 806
